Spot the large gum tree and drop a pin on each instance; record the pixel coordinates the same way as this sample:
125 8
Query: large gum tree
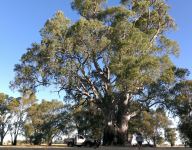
105 57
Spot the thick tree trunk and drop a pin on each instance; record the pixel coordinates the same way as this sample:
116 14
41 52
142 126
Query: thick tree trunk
122 136
116 135
116 123
108 135
109 117
123 118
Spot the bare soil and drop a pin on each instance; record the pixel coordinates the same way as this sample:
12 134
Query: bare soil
85 148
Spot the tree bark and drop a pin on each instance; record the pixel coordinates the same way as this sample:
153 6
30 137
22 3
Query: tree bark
48 139
123 118
116 134
49 143
116 124
14 142
1 141
108 135
122 136
109 117
154 141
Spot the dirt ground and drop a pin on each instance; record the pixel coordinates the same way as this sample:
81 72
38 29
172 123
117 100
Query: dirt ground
85 148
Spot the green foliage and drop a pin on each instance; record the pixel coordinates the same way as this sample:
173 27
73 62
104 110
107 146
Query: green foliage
185 129
170 136
156 122
88 120
45 121
28 132
183 107
151 124
88 8
67 51
5 116
18 108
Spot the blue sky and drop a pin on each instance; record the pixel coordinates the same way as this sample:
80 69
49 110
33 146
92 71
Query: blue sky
21 20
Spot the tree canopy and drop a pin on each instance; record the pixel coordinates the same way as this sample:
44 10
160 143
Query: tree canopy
107 57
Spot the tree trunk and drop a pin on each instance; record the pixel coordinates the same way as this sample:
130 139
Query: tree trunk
31 140
123 118
122 136
116 122
108 135
49 142
49 139
1 141
117 133
14 142
109 117
154 141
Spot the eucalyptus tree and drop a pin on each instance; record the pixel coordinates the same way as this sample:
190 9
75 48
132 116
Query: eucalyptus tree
18 108
5 116
46 120
105 57
167 93
182 106
154 124
170 135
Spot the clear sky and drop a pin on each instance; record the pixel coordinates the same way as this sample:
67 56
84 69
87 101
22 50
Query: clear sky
21 20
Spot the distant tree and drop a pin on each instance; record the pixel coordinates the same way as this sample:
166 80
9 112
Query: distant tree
18 108
46 119
183 108
5 116
105 57
170 136
28 131
160 122
153 124
171 93
159 94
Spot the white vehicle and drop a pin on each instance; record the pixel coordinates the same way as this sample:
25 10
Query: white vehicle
79 140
